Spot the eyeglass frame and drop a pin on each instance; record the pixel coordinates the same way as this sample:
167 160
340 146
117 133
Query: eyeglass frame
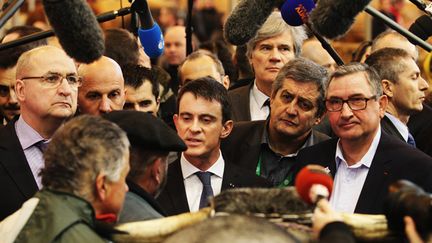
364 99
43 78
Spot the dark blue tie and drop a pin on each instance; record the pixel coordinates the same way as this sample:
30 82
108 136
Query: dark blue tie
42 145
207 189
411 140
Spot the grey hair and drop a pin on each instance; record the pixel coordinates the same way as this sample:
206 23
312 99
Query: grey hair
82 149
371 75
274 26
304 71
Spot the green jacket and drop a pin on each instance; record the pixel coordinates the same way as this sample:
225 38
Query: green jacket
60 217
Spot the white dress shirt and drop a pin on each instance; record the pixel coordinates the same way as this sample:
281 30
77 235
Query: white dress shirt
349 180
193 185
258 110
400 126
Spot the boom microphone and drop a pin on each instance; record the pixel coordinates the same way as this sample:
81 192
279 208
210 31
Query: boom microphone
76 28
246 18
333 18
422 27
313 183
149 33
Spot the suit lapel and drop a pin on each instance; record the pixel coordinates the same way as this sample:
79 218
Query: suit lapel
176 188
14 162
231 177
375 184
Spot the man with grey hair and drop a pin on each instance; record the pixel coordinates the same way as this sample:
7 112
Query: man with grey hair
47 88
363 160
269 148
200 64
274 45
86 165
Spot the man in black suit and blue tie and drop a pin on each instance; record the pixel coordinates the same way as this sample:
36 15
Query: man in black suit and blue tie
203 119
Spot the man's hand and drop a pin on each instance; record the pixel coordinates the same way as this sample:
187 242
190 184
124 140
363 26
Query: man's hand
411 232
323 214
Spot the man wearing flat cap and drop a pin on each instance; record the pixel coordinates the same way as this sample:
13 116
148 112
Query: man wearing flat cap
151 141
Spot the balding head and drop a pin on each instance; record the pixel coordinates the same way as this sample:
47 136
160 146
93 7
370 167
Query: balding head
313 50
45 103
392 39
103 89
175 45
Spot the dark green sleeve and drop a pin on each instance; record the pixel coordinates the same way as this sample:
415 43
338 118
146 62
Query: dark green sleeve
79 233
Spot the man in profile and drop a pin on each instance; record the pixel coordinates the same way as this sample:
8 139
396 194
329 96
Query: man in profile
86 166
151 141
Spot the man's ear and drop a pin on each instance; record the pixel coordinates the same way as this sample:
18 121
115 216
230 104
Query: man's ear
227 128
155 171
175 119
318 119
19 90
226 81
388 87
383 102
101 190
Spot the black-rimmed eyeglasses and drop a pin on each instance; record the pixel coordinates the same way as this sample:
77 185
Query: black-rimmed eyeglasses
355 103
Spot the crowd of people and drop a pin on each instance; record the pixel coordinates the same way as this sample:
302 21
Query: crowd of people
127 138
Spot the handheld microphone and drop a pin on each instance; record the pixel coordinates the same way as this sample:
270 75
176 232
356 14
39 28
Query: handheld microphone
313 183
333 18
149 33
422 27
76 28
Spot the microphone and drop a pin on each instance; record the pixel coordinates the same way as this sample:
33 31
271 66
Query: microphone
296 12
313 183
76 28
149 33
333 18
422 27
246 18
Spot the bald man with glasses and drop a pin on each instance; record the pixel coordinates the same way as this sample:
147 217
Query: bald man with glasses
47 89
363 160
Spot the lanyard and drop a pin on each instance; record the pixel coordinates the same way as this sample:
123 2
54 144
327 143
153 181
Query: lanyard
284 183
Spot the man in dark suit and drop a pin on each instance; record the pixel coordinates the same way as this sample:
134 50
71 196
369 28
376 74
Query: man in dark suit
364 160
47 91
269 148
274 45
404 87
203 119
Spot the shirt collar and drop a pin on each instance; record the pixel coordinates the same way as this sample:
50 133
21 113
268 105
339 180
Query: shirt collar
265 140
188 169
26 134
258 96
400 126
366 160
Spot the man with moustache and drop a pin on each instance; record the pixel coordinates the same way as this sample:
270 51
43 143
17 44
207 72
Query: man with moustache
403 85
203 119
102 89
151 141
363 160
47 88
274 45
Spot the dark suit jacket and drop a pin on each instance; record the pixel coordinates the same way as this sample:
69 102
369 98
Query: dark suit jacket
243 145
388 127
420 126
393 160
173 198
240 103
16 179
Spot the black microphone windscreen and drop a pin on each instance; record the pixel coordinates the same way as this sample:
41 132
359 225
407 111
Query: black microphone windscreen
245 20
333 18
422 27
77 29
